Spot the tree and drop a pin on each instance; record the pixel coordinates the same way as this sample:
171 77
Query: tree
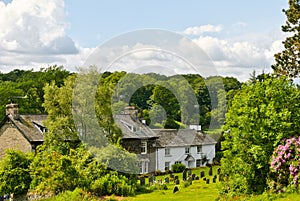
26 88
58 105
288 61
261 115
104 103
14 172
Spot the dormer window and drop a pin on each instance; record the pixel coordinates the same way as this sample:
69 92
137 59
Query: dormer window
143 147
131 127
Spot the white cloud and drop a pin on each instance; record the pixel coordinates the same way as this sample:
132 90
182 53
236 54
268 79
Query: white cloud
199 30
33 33
240 57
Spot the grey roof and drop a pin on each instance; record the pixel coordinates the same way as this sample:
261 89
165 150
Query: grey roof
132 128
182 137
36 118
29 126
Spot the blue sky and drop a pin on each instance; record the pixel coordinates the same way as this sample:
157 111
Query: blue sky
239 36
92 21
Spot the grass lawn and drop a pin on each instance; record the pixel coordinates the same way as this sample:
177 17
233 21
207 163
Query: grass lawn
199 190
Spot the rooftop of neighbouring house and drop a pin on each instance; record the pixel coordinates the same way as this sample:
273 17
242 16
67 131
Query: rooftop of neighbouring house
182 137
31 126
132 128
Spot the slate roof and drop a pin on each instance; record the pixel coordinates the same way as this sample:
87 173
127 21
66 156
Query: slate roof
29 126
132 128
182 137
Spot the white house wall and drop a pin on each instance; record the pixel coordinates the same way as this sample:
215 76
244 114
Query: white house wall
178 154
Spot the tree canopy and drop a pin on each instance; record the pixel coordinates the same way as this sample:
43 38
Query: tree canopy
288 61
261 115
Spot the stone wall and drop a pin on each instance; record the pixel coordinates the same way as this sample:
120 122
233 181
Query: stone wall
11 138
134 146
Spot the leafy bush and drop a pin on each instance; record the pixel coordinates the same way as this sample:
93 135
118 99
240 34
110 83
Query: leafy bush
116 158
285 165
186 184
53 173
176 168
14 172
112 184
76 195
158 173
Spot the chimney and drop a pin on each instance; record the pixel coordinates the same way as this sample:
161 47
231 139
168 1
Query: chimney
13 110
195 127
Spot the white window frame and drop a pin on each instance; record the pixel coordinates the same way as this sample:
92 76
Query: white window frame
187 150
143 166
143 147
167 165
167 151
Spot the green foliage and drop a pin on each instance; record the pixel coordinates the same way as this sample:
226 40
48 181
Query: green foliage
105 95
261 115
76 195
116 158
14 172
176 168
26 88
58 105
53 172
112 184
287 61
285 165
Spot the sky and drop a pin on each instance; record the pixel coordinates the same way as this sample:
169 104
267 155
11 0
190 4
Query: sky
238 36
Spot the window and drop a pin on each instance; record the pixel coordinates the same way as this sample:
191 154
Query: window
167 165
199 149
143 165
177 162
187 150
143 147
198 163
167 151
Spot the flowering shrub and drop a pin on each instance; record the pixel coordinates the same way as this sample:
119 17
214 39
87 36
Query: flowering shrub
285 164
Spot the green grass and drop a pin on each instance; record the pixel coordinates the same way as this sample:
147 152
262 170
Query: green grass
198 191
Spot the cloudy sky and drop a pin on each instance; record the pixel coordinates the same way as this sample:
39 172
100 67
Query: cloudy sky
238 36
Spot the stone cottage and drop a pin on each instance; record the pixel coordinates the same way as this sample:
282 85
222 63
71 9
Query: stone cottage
137 138
20 132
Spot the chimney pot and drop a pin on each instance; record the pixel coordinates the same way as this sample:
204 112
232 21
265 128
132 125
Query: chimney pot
13 110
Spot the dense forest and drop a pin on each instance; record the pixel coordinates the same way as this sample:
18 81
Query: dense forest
156 101
25 87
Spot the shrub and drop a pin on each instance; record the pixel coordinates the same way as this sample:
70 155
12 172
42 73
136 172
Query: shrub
285 165
158 173
14 172
112 184
53 173
176 168
186 184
